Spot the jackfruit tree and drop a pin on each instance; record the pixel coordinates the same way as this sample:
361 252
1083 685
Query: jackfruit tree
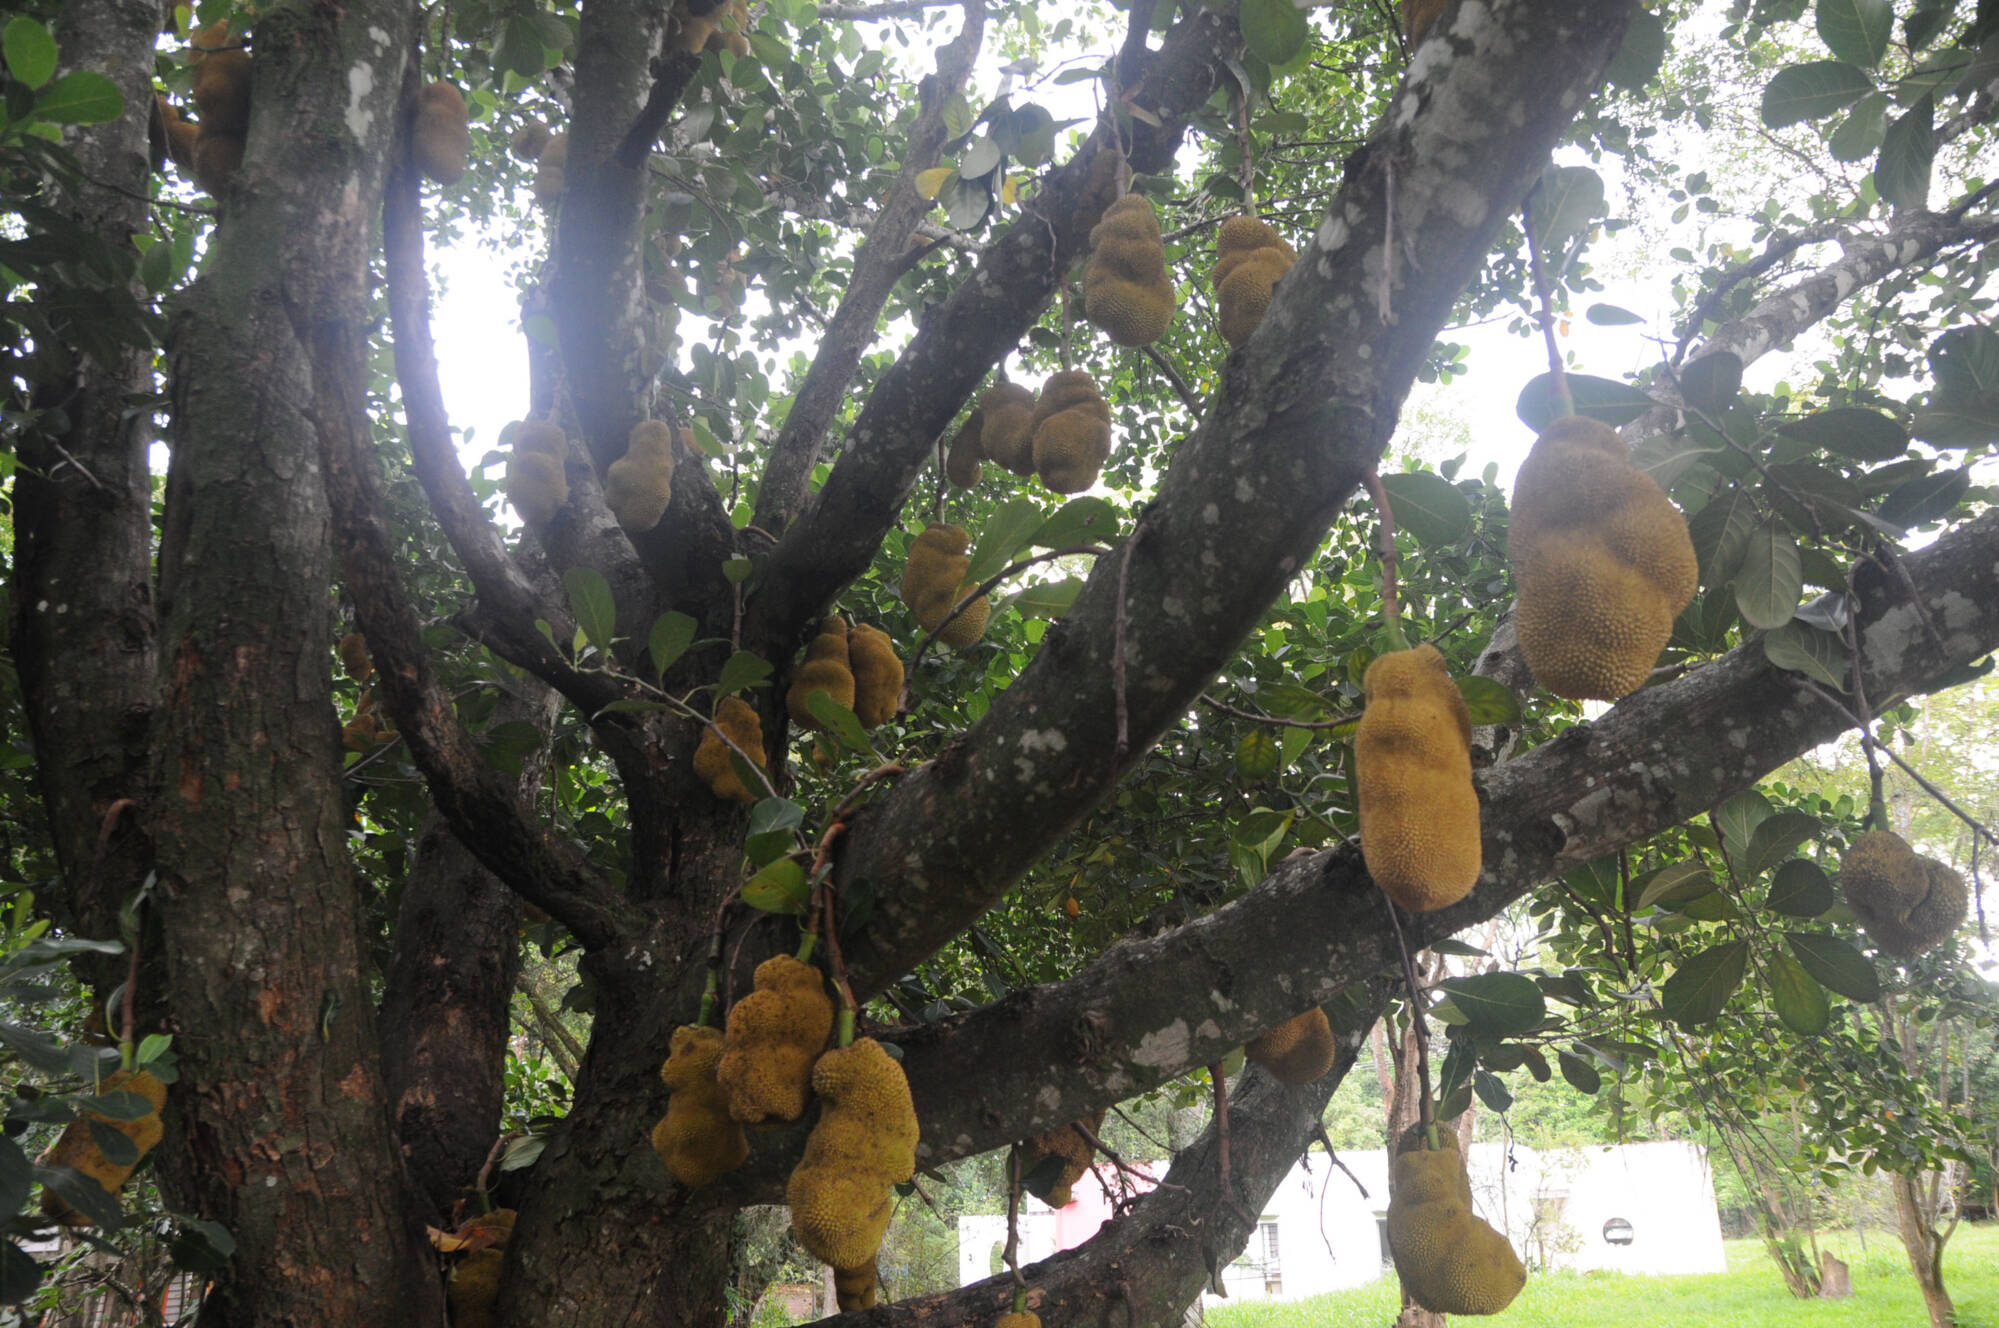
721 665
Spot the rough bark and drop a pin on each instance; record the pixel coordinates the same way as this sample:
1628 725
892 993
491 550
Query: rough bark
1915 1212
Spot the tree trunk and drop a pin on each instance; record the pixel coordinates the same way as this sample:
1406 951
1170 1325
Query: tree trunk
1917 1218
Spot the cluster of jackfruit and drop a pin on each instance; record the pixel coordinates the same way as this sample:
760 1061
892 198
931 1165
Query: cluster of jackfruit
1601 561
1250 259
854 1288
697 1139
1126 291
825 668
1298 1050
713 25
1908 903
1006 426
474 1289
739 719
933 582
1417 16
639 484
222 91
75 1148
370 727
877 675
862 1148
551 168
1412 758
1072 431
774 1035
536 483
1054 1185
439 137
962 459
1449 1259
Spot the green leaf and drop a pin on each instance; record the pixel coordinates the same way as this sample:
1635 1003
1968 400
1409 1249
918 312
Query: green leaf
1775 839
1616 404
1971 422
1077 522
1275 30
1568 200
19 1273
1675 884
671 634
1902 171
1856 30
743 670
1812 91
780 887
1926 498
1800 1002
1700 989
1429 507
590 600
1771 578
737 570
1491 1090
1835 964
1256 756
1721 532
1713 381
31 52
1047 599
1582 1075
1004 534
1805 649
1738 819
82 1193
1965 361
1498 1004
1852 432
1489 702
1641 55
980 158
507 747
1610 315
842 723
773 823
81 97
1800 889
1860 134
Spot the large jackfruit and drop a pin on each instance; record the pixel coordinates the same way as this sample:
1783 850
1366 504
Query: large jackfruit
639 484
697 1139
1054 1185
877 675
1250 259
739 719
354 657
862 1148
1006 428
825 668
1601 562
1449 1259
1412 756
474 1289
1908 903
774 1035
854 1288
933 582
1298 1050
1126 291
75 1148
536 483
439 137
962 459
529 140
1072 432
222 91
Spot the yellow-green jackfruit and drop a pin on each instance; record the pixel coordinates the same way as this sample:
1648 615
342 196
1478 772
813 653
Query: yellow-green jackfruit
774 1035
1006 429
536 484
1412 756
863 1146
222 91
854 1288
877 675
551 170
529 140
354 657
962 459
1019 1319
639 484
1298 1050
697 1139
1053 1185
474 1288
825 668
1908 903
739 719
1126 290
1072 432
1250 259
1449 1259
75 1148
933 582
439 137
1102 184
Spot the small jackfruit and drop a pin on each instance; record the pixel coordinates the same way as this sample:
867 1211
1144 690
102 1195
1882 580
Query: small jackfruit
732 29
474 1288
697 1139
933 582
439 137
854 1288
1412 757
1417 16
962 459
536 484
1126 290
182 137
529 140
1602 563
354 657
1102 184
75 1148
639 484
551 170
739 719
1449 1259
1298 1050
1072 432
774 1035
1908 903
1051 1184
1250 259
1006 430
825 668
863 1146
1019 1319
877 675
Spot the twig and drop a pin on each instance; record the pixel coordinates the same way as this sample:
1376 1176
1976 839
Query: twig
562 1045
1221 1083
493 1155
1180 386
985 587
1391 608
1977 826
1275 720
1111 1156
1558 377
1013 1219
1334 1156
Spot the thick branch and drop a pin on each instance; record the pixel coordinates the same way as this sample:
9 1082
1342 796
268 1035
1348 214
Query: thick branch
884 9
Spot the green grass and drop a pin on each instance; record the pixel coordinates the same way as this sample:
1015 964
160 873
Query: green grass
1750 1294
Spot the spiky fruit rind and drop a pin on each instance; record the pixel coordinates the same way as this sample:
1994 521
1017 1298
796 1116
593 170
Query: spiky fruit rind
1006 430
1419 829
440 139
1450 1261
854 1288
529 140
1019 1319
75 1148
1063 1142
933 582
536 483
1298 1050
1250 259
1072 432
1126 289
552 170
638 486
697 1139
878 675
863 1146
825 668
737 718
1908 903
774 1034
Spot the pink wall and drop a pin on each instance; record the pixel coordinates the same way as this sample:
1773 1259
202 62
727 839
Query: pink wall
1090 1207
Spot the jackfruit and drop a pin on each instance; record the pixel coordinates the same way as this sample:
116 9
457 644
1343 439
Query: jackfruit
439 138
854 1288
961 460
1417 16
1072 432
1602 563
221 80
825 668
774 1035
1126 291
75 1148
1054 1185
1250 259
1102 185
551 170
536 484
718 28
863 1146
933 582
1006 431
877 675
737 718
474 1288
697 1139
1449 1259
639 484
182 137
529 140
1298 1050
1412 755
1908 903
354 657
1019 1319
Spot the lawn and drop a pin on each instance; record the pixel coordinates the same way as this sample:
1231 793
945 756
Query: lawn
1749 1295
